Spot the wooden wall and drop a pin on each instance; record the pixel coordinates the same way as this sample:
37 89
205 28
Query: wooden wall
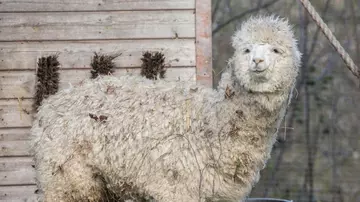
75 29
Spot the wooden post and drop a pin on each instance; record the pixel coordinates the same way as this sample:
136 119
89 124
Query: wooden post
203 43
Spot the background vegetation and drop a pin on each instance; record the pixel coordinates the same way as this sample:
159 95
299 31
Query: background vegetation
317 156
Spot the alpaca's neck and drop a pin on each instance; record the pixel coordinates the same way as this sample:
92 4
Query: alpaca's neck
255 128
262 111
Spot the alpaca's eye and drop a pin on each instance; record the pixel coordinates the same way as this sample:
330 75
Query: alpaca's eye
276 51
247 50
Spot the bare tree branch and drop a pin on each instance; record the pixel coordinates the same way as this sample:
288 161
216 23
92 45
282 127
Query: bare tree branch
237 17
214 12
316 35
355 25
304 21
230 10
259 3
333 149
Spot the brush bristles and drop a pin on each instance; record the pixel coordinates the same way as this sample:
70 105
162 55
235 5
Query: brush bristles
102 65
153 65
47 77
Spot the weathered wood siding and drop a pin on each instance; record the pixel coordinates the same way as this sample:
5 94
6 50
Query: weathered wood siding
75 29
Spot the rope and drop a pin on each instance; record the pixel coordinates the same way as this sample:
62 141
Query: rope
329 35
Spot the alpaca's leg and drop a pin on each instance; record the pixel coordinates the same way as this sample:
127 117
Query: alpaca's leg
74 181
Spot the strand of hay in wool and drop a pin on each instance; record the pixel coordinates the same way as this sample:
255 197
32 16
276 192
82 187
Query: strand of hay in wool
188 118
102 64
47 79
20 107
153 65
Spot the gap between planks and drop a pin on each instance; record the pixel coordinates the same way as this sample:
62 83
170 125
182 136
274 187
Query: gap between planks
110 10
94 5
88 68
95 39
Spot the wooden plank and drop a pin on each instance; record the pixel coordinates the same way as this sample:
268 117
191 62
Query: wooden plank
15 113
20 84
14 142
18 193
93 5
24 55
17 170
15 84
203 43
97 25
14 148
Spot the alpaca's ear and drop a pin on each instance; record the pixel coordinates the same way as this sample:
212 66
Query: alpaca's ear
236 40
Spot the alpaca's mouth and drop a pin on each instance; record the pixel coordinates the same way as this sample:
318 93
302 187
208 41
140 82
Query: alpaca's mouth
259 75
258 71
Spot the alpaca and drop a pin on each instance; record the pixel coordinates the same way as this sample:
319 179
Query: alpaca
170 141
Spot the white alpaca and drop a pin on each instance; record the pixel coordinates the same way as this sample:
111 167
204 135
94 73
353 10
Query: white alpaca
170 140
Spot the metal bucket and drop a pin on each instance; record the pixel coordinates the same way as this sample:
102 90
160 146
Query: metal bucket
267 200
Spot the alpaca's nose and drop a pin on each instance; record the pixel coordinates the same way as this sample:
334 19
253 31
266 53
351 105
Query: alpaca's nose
258 60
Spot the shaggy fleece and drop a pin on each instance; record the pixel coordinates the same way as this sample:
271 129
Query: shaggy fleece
170 140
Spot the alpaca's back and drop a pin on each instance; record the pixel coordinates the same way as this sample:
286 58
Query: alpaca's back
124 128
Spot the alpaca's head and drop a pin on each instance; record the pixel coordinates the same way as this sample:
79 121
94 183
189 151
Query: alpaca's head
266 57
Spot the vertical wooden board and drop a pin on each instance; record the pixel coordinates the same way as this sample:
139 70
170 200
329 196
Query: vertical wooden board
203 43
93 5
24 193
78 54
97 25
17 170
